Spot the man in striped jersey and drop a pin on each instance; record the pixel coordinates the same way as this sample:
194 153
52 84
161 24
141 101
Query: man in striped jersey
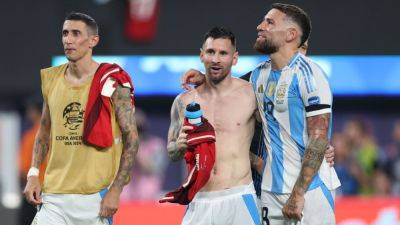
258 154
295 101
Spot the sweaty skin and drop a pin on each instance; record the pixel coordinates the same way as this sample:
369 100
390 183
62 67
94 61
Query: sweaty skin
229 105
231 115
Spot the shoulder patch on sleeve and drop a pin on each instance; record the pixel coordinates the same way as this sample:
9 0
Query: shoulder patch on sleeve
314 100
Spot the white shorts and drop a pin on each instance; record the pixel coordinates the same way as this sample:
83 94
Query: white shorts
233 206
71 209
318 208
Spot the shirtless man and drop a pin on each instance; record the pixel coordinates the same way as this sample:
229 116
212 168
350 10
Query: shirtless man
229 105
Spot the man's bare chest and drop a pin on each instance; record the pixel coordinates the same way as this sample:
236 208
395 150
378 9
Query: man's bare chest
226 116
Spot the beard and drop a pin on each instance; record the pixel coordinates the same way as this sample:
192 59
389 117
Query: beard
265 47
216 79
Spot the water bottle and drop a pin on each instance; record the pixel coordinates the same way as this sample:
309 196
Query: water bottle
193 113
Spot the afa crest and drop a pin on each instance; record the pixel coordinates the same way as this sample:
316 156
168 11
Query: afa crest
281 92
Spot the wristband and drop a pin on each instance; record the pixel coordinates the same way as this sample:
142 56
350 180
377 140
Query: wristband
33 171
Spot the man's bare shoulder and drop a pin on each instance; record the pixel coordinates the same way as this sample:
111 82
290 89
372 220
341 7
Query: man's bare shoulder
244 92
243 86
187 96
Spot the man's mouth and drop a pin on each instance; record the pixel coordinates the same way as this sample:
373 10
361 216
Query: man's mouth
215 69
261 35
69 49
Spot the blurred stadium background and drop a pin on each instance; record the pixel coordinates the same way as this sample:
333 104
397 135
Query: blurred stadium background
355 41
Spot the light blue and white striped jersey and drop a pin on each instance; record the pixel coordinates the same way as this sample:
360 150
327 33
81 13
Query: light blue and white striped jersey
285 98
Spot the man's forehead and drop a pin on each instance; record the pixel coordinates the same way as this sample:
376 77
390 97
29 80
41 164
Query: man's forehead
218 42
74 24
275 14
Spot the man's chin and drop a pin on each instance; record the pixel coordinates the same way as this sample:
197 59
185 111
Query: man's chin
216 78
70 58
258 47
262 48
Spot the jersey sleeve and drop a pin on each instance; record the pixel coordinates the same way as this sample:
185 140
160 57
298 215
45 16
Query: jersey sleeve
314 90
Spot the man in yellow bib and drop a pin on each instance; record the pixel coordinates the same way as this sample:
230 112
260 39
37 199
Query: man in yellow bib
89 130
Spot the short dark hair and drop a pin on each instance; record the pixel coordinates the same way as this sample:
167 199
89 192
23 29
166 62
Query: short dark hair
88 20
299 16
220 32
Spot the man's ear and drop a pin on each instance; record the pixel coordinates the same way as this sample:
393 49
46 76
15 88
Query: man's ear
94 40
292 34
235 57
201 55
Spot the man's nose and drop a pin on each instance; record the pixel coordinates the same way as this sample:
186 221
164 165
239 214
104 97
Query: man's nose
67 39
216 58
262 26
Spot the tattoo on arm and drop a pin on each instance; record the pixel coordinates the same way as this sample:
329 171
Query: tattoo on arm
174 129
318 127
125 115
42 139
